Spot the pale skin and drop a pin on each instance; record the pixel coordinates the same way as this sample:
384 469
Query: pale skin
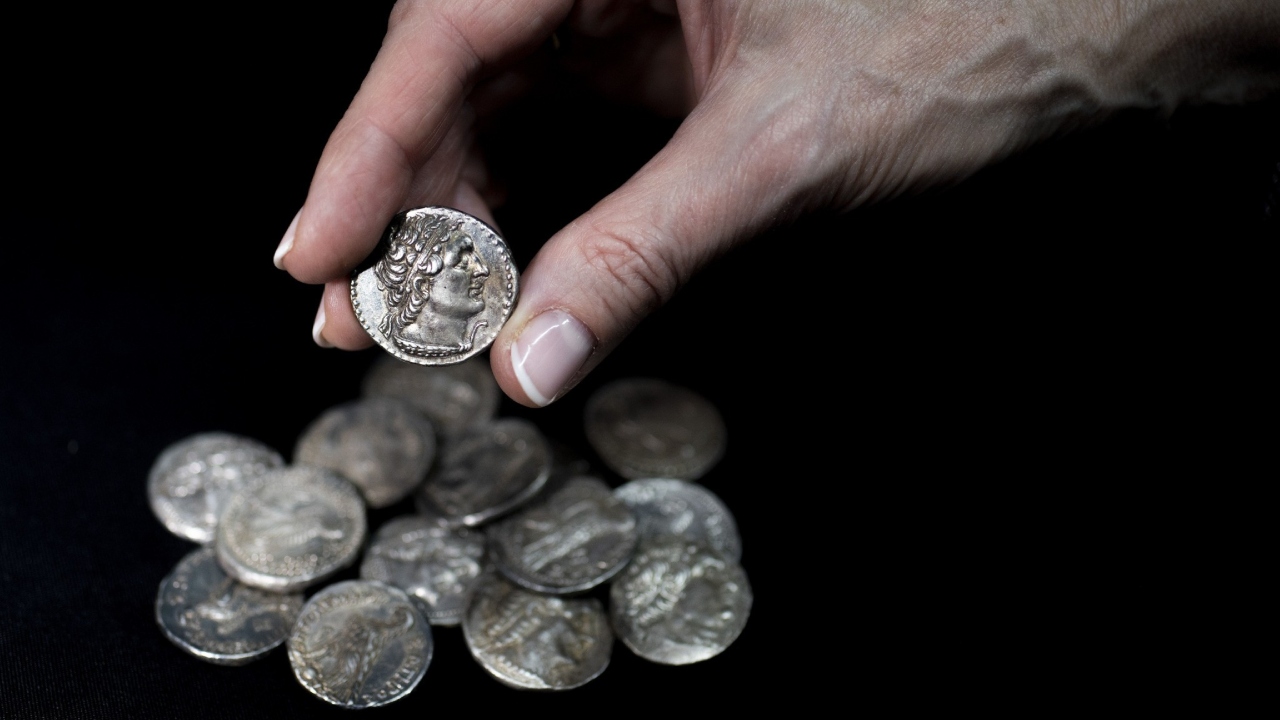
788 106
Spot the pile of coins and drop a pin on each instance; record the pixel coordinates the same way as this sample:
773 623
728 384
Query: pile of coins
510 538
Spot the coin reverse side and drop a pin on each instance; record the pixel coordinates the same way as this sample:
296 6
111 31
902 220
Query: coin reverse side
487 471
646 428
453 397
674 510
435 564
192 480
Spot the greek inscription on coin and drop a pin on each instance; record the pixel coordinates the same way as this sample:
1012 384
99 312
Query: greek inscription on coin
296 527
192 480
441 290
536 642
360 644
382 445
645 428
208 614
436 565
675 510
574 539
453 397
487 471
678 603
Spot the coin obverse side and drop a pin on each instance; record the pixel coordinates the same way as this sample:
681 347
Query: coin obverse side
645 428
436 565
382 445
536 642
297 527
441 290
678 604
574 539
453 397
360 644
677 511
192 479
488 471
207 613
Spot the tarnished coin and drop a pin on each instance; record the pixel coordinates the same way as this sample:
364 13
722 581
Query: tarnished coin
536 642
441 289
382 445
574 539
360 644
488 471
436 565
679 603
298 526
210 615
650 428
675 510
192 480
453 397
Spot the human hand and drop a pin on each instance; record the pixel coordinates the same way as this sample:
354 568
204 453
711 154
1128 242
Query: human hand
790 107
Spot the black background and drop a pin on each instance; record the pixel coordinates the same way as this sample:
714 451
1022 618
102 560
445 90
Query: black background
940 408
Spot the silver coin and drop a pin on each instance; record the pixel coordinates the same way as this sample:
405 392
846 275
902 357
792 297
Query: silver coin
442 289
382 445
436 565
296 527
210 615
360 644
192 480
679 603
487 471
643 427
453 397
574 539
536 642
674 510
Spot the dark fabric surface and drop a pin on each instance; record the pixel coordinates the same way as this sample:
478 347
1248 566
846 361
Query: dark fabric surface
938 407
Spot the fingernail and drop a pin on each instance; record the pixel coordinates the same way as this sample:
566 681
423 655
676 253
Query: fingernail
317 329
286 242
550 349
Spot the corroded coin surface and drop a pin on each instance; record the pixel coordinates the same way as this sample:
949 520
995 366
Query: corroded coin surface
674 510
434 564
296 527
574 539
192 480
359 644
488 471
536 642
453 397
382 445
678 603
210 615
643 427
441 289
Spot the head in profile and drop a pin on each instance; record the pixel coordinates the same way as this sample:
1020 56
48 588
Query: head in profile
432 281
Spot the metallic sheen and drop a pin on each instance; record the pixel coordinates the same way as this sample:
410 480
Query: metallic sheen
435 564
675 510
453 397
643 427
487 471
192 480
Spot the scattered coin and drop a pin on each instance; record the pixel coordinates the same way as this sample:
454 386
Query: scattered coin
674 510
487 471
574 539
453 397
679 603
536 642
210 615
382 445
441 290
360 644
645 428
296 527
192 480
436 565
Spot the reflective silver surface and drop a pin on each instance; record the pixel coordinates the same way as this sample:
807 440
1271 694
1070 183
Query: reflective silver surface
643 427
674 510
487 471
453 397
434 564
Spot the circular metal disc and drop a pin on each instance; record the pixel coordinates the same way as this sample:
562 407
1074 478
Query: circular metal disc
488 471
674 510
453 397
645 428
435 564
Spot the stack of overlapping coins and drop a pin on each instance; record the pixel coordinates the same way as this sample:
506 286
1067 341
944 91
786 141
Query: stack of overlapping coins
509 539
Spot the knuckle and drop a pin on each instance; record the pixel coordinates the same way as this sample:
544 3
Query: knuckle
644 275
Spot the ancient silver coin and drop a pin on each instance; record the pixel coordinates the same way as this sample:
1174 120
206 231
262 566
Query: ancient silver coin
679 603
436 565
296 527
360 644
192 480
674 510
207 613
453 397
536 642
574 539
441 290
382 445
487 471
643 427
